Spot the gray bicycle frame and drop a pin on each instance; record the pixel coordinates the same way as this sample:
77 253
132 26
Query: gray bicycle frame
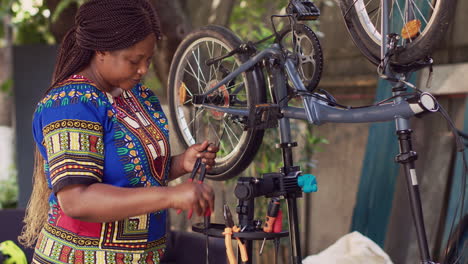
315 111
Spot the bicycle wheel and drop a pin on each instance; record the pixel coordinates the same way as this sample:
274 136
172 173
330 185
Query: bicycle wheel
306 45
189 75
363 20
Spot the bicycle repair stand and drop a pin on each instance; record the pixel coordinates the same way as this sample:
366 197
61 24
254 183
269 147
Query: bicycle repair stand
288 183
407 156
247 189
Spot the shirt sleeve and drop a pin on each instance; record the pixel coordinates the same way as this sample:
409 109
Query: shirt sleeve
72 137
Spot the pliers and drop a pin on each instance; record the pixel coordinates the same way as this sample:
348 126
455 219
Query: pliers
230 228
202 166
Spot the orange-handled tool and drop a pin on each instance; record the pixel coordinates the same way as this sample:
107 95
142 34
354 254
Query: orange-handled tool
228 231
272 213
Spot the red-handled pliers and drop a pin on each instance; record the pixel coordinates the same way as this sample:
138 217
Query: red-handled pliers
199 165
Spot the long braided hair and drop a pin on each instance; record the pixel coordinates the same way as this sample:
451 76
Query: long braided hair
100 25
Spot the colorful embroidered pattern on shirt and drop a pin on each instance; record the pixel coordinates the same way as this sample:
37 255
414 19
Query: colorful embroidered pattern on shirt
149 139
79 90
74 148
54 249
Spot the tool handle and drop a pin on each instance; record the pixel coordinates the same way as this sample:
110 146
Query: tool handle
269 223
243 250
272 213
180 210
242 247
278 225
227 240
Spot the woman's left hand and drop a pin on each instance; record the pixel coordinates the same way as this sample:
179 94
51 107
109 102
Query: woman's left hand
206 151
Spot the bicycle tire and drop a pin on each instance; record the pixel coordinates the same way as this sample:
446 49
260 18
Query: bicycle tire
234 156
364 32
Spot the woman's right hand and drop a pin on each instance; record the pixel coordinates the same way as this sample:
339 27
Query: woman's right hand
195 196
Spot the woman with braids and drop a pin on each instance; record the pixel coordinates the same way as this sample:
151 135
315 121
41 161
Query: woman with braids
103 161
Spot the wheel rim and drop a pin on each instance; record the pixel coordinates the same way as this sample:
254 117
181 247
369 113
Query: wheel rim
369 14
193 76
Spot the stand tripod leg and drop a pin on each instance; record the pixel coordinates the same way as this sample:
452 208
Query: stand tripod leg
294 231
406 158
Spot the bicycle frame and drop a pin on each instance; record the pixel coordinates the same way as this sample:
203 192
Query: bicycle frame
314 111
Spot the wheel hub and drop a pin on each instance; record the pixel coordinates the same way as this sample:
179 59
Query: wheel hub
219 97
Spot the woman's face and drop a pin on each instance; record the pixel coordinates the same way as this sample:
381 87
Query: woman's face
125 68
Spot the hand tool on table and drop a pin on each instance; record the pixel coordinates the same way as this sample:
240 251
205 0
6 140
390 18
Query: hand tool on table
228 231
272 213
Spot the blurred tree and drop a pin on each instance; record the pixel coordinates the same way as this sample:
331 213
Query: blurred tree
5 63
178 17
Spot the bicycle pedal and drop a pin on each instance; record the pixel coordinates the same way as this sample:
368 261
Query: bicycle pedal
263 116
303 10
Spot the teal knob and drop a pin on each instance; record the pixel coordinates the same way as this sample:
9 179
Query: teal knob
308 183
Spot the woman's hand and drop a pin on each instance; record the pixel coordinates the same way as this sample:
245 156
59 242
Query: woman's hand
189 195
205 151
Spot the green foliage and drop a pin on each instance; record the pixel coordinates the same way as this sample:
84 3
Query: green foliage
251 19
62 6
9 191
31 27
7 86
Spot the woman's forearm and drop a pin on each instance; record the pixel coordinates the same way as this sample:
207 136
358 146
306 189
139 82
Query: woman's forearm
177 167
106 203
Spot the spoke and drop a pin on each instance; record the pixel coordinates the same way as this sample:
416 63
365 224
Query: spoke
376 14
198 64
403 17
193 74
215 132
233 65
195 77
229 129
200 69
219 62
376 24
196 116
189 100
430 4
419 11
211 56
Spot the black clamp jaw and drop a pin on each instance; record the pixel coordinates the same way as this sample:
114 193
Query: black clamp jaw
270 185
303 10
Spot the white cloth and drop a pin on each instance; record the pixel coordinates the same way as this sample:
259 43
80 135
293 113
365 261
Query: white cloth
353 248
